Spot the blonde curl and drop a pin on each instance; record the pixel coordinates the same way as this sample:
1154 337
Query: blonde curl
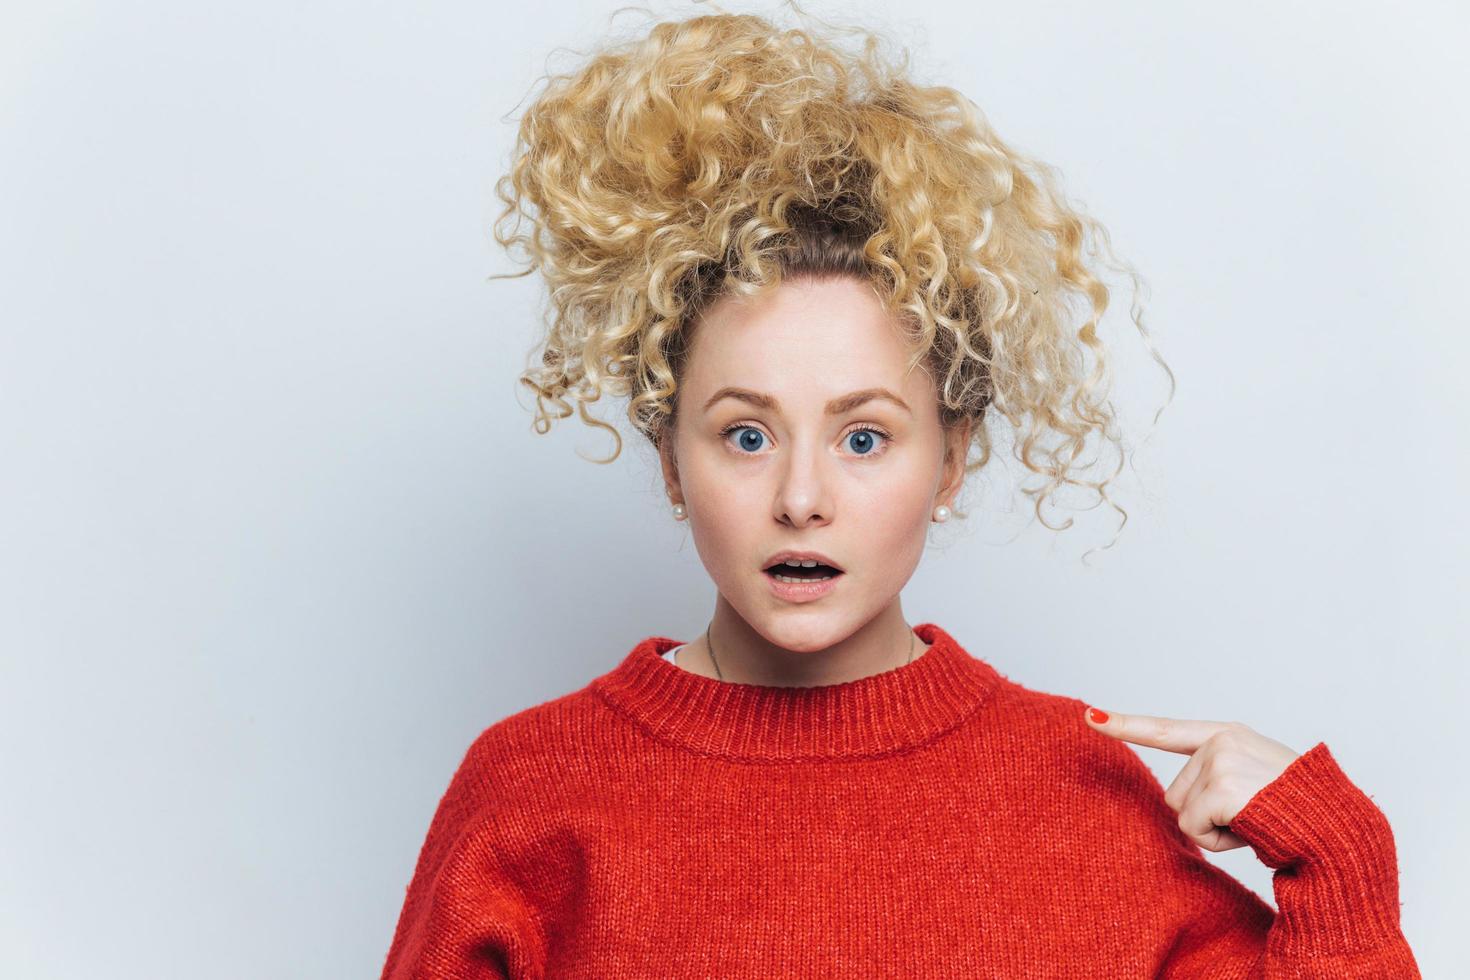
720 154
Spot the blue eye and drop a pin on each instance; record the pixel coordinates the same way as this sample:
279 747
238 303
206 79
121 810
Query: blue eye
865 440
746 441
859 440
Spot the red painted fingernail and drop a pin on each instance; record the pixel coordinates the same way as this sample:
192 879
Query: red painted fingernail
1098 716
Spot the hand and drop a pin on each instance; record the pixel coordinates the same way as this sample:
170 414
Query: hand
1228 764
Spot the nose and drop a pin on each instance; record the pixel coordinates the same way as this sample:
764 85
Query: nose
803 493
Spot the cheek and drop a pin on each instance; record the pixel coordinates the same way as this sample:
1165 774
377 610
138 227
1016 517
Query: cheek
895 528
725 527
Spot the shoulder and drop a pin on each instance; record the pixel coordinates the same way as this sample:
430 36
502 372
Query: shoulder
1105 773
538 747
1099 785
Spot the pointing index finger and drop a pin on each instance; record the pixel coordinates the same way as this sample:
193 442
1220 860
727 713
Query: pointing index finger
1170 734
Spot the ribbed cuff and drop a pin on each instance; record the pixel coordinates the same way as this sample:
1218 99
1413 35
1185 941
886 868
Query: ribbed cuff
1336 881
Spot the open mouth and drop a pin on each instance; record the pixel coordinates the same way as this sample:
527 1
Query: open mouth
802 573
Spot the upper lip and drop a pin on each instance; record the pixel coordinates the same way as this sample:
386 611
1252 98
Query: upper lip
816 556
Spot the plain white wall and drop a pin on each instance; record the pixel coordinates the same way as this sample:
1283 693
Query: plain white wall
277 541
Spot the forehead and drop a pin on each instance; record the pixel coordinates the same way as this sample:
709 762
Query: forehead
802 341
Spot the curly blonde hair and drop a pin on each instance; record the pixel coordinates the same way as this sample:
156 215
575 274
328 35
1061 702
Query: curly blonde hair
721 154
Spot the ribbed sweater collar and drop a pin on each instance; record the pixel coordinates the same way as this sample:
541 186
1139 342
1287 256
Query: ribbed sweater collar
881 713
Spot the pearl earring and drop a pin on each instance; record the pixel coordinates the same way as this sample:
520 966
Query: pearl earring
680 512
941 513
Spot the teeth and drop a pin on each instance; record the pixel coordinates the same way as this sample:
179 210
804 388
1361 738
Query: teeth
798 581
800 563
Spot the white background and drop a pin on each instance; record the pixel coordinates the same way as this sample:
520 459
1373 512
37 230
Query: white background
277 541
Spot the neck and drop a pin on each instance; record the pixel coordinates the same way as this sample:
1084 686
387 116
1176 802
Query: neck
742 655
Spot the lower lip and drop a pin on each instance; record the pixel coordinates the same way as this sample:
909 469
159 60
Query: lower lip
803 591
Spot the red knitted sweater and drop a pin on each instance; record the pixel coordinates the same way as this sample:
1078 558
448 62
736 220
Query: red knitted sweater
935 820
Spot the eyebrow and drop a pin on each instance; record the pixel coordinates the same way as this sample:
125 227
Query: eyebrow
836 406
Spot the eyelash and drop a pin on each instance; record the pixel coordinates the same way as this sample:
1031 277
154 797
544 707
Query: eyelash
861 427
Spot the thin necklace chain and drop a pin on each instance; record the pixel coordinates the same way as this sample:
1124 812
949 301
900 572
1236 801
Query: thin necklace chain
721 674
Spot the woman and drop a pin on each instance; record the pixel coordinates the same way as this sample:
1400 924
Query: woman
813 280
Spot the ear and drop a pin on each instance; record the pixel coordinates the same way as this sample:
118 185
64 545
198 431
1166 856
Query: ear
668 462
956 452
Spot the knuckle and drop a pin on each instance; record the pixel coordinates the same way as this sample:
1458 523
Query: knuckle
1227 738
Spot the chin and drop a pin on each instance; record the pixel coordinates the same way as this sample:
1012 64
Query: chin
807 632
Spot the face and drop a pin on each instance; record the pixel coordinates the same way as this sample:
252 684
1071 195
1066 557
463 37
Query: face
775 467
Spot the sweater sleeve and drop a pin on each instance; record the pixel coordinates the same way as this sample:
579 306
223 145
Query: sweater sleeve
1336 887
462 917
